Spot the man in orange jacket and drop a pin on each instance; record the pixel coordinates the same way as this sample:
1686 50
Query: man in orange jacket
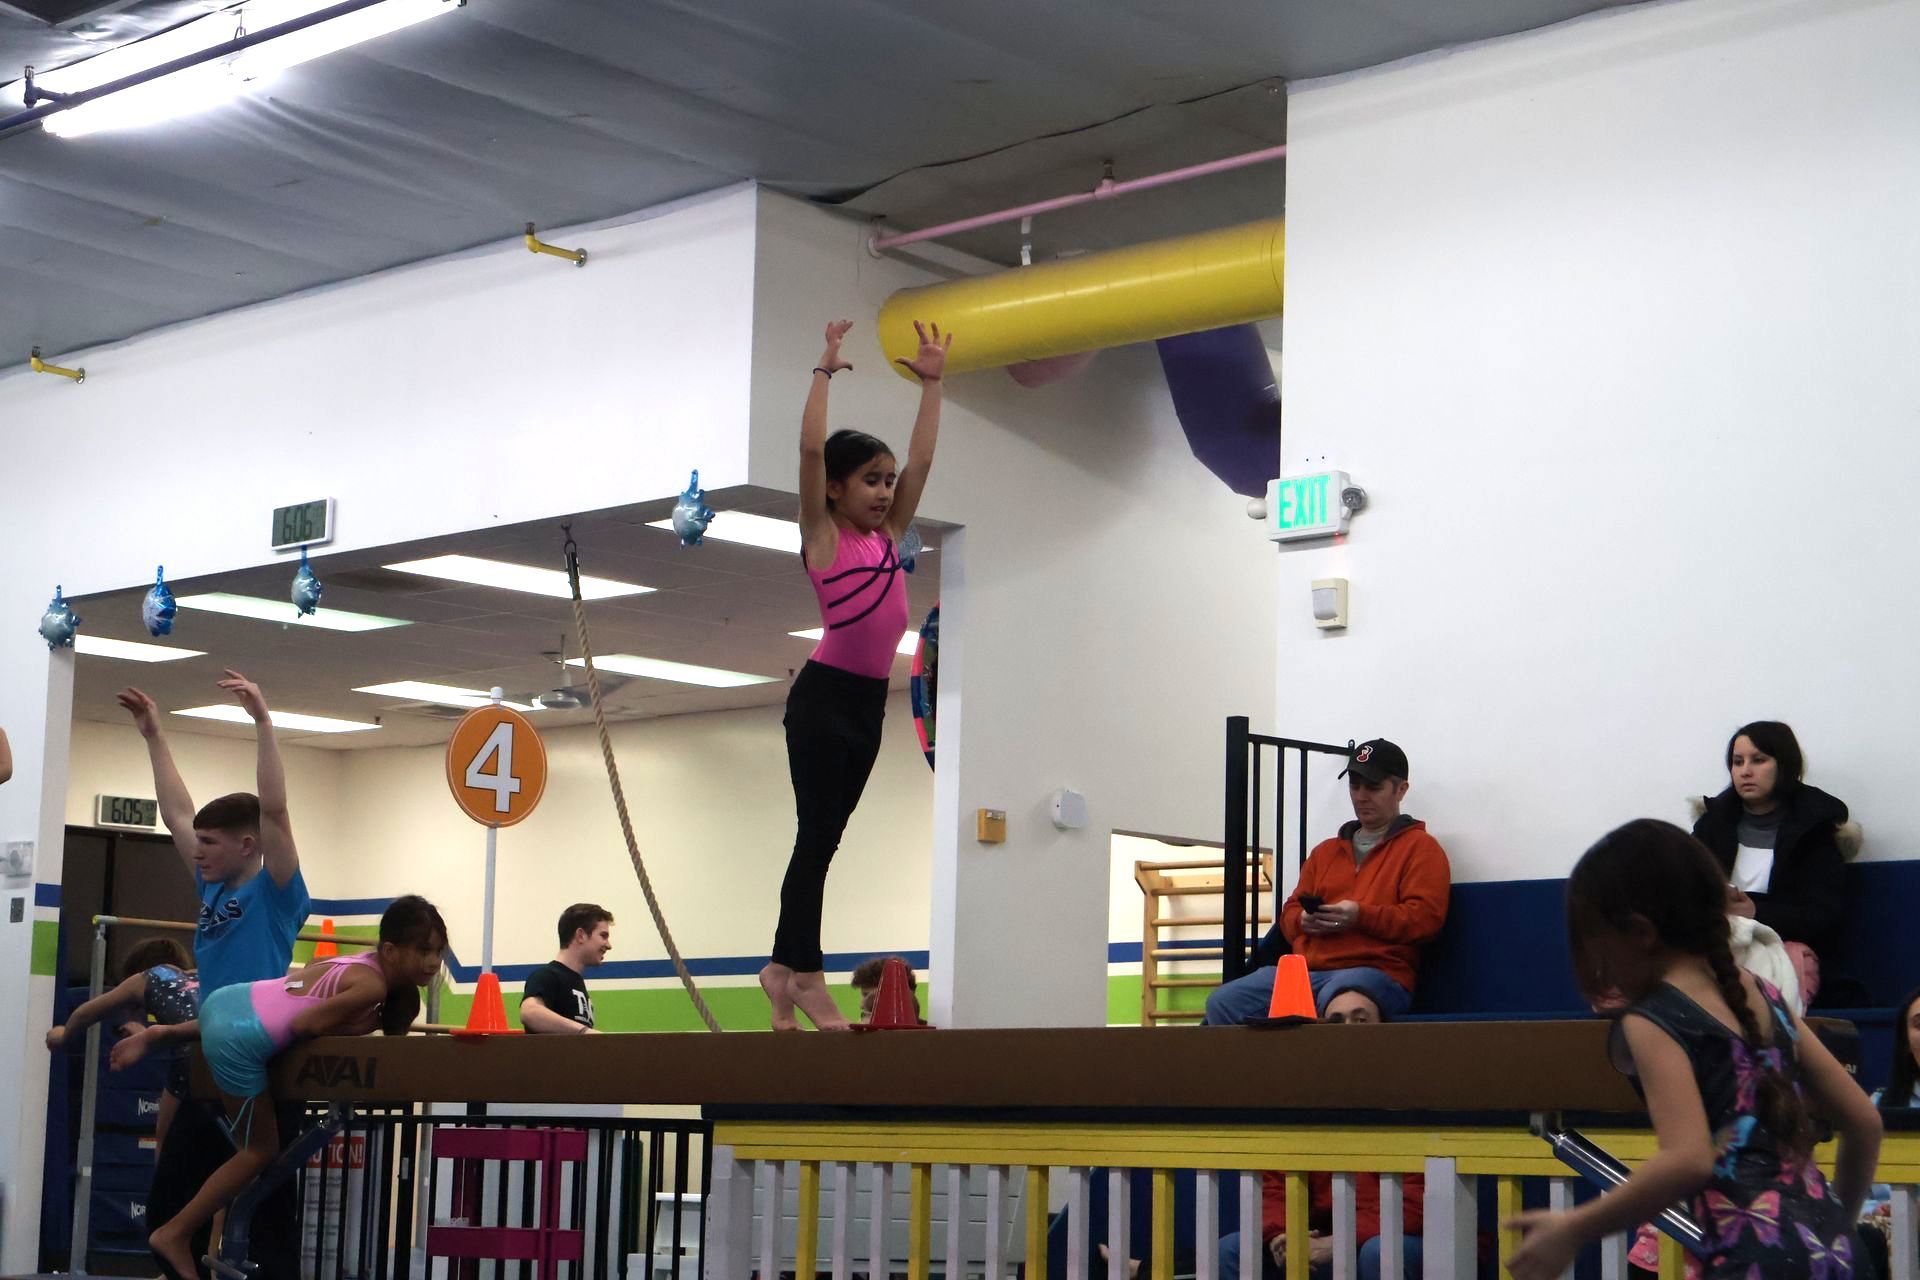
1367 899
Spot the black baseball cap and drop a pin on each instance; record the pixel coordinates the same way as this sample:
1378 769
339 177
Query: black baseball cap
1376 760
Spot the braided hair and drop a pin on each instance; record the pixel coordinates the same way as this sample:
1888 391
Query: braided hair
1653 872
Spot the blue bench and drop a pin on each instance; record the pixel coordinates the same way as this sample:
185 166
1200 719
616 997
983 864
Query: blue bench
1504 954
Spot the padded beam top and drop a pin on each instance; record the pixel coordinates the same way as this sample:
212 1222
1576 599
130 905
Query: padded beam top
1451 1067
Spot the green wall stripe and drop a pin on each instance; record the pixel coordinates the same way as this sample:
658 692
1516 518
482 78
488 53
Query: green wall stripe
45 961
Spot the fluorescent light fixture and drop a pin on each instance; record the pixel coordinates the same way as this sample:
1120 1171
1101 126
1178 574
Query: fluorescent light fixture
445 695
132 651
632 664
210 84
283 611
233 713
516 577
909 640
749 530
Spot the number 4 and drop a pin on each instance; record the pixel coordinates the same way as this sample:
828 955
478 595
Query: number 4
501 781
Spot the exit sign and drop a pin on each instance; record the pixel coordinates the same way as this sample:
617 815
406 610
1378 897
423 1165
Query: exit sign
1300 507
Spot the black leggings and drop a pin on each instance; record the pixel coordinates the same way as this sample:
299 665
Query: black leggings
833 736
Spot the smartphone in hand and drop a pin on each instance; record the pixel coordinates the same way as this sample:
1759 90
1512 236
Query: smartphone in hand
1310 903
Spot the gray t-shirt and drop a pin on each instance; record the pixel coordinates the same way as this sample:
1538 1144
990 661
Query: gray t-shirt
1364 843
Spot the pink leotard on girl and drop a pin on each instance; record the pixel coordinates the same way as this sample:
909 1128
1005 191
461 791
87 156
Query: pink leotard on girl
863 604
277 1001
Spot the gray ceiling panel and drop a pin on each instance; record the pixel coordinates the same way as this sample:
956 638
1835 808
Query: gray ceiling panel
459 130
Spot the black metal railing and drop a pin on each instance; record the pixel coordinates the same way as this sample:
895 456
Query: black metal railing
1247 775
367 1200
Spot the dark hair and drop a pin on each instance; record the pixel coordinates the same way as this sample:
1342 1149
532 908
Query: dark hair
1653 872
1379 1014
401 1008
848 451
412 921
237 814
1900 1077
152 952
1771 737
867 976
581 915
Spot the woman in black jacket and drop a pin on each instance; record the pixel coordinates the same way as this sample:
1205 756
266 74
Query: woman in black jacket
1776 838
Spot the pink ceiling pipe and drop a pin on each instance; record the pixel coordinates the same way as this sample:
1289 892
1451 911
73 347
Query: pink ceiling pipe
1107 190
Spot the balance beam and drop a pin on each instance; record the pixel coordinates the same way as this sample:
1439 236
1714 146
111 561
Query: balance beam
1437 1067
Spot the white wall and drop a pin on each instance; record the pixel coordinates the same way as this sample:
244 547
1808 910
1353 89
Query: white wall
1615 323
1107 606
713 814
112 760
712 809
409 396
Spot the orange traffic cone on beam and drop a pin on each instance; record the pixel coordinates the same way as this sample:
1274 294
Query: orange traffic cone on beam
326 948
1292 1001
489 1013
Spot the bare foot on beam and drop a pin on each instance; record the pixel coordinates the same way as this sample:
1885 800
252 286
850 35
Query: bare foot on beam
809 992
775 980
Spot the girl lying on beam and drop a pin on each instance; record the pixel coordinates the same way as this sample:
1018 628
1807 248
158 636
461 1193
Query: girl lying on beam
242 1027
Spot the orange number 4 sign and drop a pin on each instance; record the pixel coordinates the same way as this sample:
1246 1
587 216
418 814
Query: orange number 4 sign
496 766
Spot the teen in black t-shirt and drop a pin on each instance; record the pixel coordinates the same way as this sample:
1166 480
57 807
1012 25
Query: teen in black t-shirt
556 1000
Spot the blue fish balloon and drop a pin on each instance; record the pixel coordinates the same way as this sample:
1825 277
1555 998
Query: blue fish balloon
692 515
306 587
158 608
59 622
910 547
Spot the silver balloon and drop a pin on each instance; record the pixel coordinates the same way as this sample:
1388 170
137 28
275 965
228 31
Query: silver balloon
59 622
306 587
691 514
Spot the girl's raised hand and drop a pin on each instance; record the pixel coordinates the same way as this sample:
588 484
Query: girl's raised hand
931 360
831 361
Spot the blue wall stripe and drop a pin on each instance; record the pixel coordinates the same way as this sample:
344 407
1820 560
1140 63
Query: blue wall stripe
46 895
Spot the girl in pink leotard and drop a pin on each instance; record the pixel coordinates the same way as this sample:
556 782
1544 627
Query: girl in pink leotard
854 508
242 1027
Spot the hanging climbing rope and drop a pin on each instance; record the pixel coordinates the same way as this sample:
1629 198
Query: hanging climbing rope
619 795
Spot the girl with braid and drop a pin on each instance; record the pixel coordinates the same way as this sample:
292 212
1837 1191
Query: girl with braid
856 504
1727 1070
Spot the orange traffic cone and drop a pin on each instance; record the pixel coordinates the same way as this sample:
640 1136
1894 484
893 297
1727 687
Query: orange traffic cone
326 948
893 1009
1292 994
489 1013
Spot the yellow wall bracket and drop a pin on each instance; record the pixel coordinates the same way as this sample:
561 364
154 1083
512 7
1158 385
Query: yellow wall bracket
578 257
41 366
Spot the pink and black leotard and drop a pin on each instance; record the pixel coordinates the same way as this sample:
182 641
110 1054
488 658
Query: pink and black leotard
834 714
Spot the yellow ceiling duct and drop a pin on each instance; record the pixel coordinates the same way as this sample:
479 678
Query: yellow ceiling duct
1137 294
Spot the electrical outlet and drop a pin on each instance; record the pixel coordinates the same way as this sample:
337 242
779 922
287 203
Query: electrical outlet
17 911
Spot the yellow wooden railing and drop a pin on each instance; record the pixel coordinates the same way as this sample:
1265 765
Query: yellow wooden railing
1459 1156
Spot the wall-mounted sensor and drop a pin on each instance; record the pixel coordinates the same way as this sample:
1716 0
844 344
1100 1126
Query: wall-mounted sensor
1329 603
1069 810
